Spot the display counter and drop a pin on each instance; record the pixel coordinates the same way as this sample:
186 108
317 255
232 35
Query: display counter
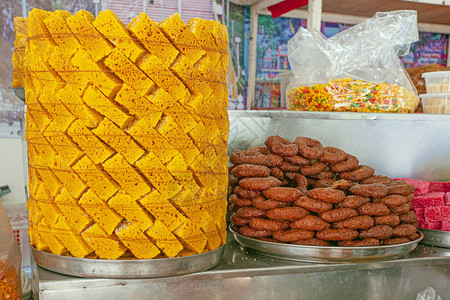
246 275
396 145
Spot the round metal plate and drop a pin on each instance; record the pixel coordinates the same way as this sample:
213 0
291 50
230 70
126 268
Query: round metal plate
437 238
127 269
326 254
20 93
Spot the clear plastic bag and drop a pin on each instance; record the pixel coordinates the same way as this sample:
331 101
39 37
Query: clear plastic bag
428 294
357 69
10 260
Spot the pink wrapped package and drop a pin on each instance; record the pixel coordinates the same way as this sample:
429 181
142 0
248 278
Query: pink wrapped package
437 213
420 213
431 203
437 187
446 225
430 199
421 187
430 225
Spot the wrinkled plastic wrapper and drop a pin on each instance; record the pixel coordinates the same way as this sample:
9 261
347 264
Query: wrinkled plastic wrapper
428 294
10 260
355 70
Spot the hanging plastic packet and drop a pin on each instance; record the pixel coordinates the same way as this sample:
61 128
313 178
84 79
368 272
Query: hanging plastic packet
355 70
428 294
10 260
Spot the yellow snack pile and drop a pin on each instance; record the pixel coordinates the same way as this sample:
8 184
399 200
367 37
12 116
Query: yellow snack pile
127 131
21 31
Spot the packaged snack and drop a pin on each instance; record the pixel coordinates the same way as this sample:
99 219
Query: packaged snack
10 260
355 70
437 82
437 103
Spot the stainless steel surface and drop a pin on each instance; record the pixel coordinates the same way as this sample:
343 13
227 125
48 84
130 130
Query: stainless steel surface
244 274
436 238
20 93
396 145
326 254
127 269
403 283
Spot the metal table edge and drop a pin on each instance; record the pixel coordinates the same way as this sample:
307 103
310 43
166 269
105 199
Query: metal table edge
213 274
327 115
294 269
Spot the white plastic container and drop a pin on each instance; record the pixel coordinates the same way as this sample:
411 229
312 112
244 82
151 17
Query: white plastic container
437 82
437 103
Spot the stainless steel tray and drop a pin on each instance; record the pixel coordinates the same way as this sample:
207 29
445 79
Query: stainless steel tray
127 269
326 254
437 238
20 93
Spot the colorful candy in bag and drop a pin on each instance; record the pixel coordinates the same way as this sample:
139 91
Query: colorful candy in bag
356 70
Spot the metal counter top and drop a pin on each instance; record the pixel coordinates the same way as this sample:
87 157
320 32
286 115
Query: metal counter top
238 262
251 271
330 115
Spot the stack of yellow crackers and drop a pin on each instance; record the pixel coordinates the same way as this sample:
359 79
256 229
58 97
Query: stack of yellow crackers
21 32
127 132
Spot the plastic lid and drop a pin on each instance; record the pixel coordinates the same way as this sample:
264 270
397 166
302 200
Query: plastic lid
436 74
436 95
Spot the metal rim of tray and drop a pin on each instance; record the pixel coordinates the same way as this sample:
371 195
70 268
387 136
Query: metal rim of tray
437 238
128 269
20 93
326 254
